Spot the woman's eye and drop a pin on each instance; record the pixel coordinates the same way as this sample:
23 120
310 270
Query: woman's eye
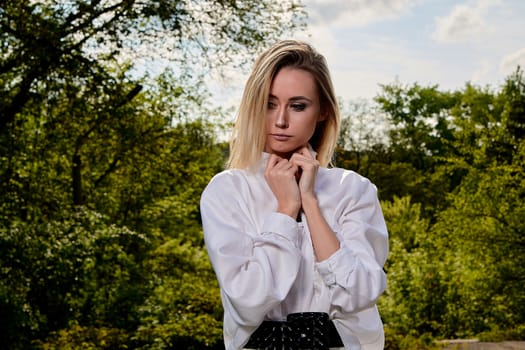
271 105
298 107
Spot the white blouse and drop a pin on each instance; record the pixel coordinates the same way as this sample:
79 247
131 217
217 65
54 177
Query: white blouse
265 264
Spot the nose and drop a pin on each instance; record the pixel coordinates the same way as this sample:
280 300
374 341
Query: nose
281 120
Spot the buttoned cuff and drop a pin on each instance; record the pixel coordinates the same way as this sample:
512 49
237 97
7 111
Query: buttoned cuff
281 225
336 269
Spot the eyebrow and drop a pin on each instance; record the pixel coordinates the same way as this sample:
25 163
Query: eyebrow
295 98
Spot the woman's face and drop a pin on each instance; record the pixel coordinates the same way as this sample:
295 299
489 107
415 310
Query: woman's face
293 111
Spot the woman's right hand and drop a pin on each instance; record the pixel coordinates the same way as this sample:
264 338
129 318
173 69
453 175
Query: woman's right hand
280 174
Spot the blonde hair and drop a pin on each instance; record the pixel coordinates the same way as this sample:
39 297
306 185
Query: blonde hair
248 136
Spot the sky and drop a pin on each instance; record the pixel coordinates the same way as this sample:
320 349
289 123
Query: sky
432 42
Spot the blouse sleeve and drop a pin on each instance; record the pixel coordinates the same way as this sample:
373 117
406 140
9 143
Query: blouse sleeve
355 272
255 269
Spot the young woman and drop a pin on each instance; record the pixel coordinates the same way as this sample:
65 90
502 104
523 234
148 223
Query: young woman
298 248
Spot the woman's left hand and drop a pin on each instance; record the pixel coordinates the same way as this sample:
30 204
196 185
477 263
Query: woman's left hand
308 166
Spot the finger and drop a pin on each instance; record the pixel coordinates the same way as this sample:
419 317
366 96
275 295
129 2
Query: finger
305 151
286 167
303 161
280 168
272 161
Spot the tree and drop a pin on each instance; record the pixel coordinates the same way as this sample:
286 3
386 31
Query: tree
484 224
413 301
141 177
484 233
461 273
421 121
75 52
49 39
77 268
363 134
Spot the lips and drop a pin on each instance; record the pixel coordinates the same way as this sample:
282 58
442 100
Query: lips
280 137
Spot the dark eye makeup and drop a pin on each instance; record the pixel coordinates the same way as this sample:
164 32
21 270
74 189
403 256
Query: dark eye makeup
298 106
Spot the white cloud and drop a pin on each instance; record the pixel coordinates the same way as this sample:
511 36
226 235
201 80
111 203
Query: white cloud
461 24
353 13
465 22
511 61
362 58
484 70
357 72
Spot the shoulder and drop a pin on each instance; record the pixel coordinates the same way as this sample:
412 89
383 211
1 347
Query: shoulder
222 179
225 184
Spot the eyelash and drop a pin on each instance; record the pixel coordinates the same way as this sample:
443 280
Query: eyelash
298 107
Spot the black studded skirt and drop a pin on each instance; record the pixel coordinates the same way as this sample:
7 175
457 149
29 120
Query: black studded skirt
303 330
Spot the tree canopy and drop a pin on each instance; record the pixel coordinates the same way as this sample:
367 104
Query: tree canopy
450 175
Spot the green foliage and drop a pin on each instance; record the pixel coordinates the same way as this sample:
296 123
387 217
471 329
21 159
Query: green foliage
182 309
498 335
413 301
485 225
90 338
452 189
49 40
79 268
420 122
69 272
399 341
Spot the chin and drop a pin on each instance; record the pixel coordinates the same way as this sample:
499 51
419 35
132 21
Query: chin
280 150
284 148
